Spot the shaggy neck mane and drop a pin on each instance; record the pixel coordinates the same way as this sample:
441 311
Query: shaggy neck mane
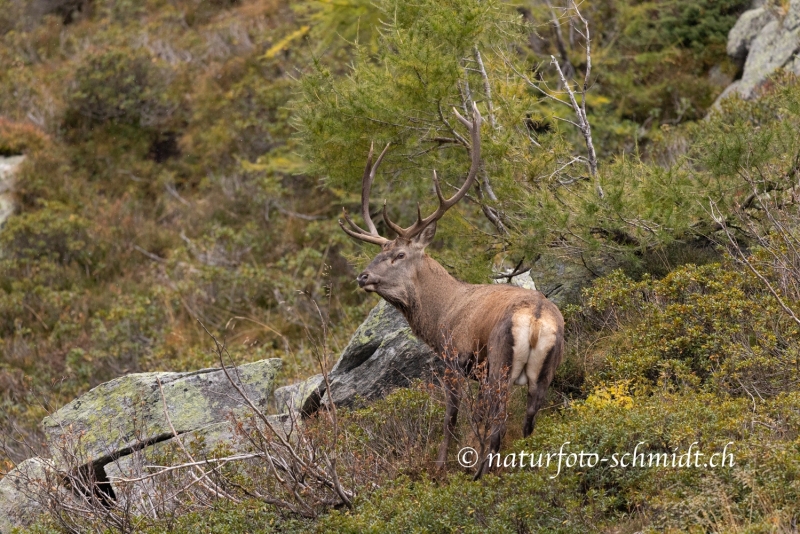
430 297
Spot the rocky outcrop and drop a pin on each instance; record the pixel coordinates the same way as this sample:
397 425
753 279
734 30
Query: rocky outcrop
382 356
767 39
110 432
746 30
129 413
303 397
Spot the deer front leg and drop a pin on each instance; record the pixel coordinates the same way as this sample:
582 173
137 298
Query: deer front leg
451 416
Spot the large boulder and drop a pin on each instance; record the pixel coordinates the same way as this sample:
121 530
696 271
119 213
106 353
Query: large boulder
128 413
382 355
770 41
746 29
303 397
774 47
19 506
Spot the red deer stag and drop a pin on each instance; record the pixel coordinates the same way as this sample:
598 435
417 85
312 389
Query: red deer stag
518 332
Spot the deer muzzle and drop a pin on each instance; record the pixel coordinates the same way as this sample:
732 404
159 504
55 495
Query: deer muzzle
367 281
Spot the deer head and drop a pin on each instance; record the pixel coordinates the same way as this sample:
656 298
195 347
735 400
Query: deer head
394 271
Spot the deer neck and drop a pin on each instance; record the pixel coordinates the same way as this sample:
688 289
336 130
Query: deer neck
430 298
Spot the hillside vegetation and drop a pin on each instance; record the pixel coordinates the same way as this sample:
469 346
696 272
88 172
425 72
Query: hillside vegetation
187 161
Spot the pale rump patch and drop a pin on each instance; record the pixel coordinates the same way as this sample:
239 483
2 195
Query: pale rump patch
521 333
532 341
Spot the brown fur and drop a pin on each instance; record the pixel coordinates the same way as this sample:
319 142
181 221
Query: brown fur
508 327
478 322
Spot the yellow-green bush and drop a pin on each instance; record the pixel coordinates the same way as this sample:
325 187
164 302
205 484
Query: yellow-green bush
713 326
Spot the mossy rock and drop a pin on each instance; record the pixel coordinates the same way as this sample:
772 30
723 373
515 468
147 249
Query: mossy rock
127 413
204 444
382 355
303 397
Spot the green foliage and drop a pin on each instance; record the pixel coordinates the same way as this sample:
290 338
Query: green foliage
425 65
404 428
52 233
712 327
682 498
655 56
337 23
120 85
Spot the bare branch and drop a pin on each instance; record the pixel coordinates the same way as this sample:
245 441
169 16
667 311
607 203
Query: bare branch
487 87
719 219
569 70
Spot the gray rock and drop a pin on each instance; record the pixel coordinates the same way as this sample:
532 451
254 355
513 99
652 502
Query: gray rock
773 48
303 397
769 40
382 355
747 27
792 19
523 280
18 489
127 413
794 66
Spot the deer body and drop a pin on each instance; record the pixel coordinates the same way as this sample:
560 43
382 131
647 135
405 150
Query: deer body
516 331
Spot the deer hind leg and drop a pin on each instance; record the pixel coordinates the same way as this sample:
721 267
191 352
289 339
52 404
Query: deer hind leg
493 395
544 356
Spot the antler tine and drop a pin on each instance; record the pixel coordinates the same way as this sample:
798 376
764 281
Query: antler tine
370 235
474 128
356 228
366 186
437 188
396 228
359 233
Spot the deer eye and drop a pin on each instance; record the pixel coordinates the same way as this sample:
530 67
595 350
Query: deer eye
400 256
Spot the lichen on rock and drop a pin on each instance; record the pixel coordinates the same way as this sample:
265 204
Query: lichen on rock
127 413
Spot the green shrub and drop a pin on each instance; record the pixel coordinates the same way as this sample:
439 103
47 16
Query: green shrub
53 232
712 326
120 85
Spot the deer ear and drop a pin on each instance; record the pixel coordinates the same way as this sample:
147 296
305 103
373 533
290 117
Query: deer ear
424 238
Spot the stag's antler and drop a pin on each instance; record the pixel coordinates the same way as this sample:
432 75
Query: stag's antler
372 236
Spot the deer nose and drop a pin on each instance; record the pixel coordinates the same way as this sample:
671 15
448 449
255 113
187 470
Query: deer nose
362 279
